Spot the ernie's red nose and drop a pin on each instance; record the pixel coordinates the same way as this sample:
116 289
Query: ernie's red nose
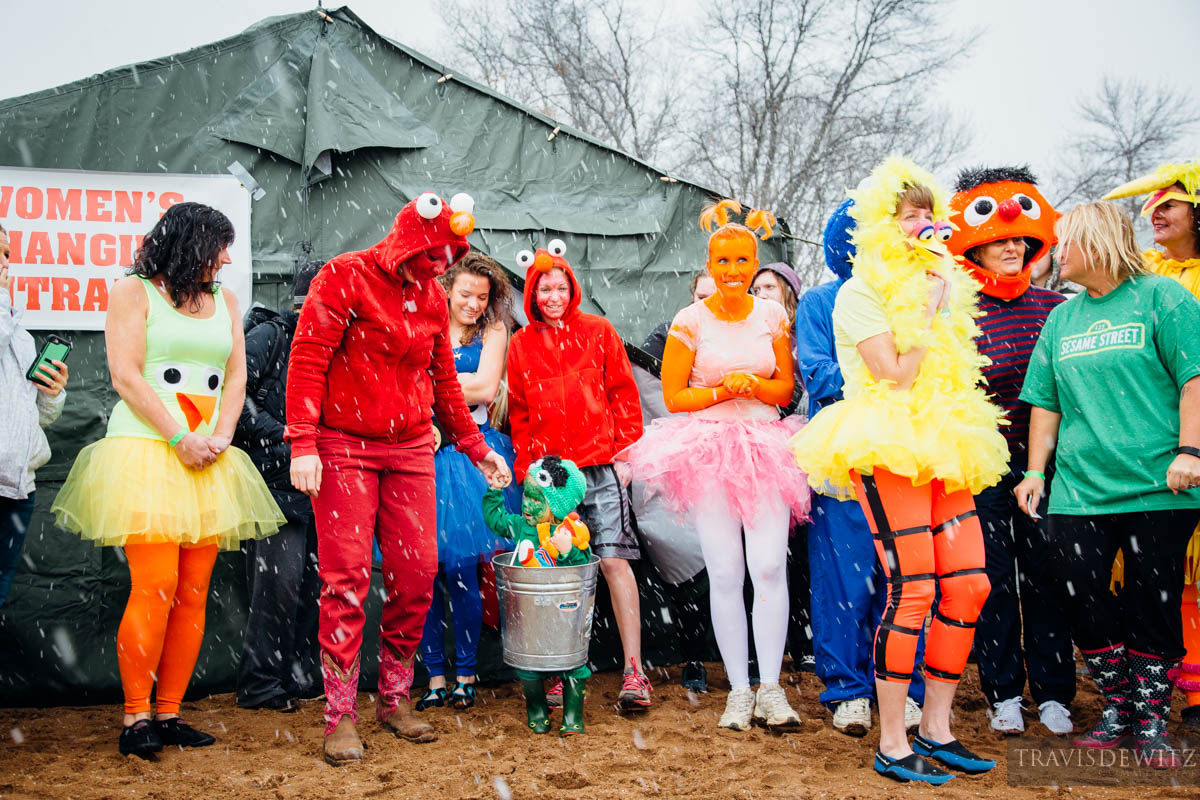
1009 210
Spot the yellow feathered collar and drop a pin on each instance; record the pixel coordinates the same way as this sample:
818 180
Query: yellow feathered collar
1157 262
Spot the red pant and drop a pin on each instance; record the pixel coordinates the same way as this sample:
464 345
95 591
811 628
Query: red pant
926 539
372 489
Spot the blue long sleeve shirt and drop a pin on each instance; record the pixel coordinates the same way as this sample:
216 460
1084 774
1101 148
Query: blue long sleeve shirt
816 358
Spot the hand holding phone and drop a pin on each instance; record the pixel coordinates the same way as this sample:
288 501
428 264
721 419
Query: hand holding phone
49 370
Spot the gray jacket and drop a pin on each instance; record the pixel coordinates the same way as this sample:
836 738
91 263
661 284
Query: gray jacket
23 446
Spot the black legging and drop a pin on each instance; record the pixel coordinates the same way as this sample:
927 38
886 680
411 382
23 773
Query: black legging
1146 615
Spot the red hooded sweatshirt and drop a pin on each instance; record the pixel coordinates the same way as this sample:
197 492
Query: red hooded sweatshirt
571 391
371 355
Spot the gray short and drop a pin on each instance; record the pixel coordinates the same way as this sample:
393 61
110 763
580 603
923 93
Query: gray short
605 510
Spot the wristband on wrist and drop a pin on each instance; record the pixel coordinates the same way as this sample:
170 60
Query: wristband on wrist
177 438
1035 474
1184 449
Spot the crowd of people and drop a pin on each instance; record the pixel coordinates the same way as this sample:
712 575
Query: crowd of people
928 457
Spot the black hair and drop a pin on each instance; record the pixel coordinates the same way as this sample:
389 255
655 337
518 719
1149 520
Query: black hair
181 247
971 177
304 278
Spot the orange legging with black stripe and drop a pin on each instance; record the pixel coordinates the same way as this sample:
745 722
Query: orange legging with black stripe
926 539
163 623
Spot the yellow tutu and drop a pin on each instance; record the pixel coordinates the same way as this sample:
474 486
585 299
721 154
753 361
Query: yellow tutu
125 489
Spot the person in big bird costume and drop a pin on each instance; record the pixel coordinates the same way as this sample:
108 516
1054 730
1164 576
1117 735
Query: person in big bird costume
164 483
371 362
1003 226
916 436
1173 207
725 464
548 533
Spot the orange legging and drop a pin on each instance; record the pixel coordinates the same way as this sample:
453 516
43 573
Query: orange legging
924 535
163 623
1189 679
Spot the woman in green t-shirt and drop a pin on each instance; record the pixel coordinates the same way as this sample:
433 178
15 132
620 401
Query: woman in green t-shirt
1113 381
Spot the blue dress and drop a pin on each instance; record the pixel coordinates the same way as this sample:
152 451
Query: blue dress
462 535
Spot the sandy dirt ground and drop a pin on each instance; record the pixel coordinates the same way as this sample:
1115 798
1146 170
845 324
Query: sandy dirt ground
674 751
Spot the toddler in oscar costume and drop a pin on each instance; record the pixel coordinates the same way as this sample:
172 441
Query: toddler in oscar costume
547 533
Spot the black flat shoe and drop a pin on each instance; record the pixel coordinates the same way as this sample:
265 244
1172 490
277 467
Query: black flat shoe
694 677
176 732
140 739
280 702
910 768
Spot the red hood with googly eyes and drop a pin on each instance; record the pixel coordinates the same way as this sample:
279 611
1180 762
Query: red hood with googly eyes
411 234
1006 218
534 273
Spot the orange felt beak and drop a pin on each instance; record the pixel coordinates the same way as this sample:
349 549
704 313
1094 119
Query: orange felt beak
197 408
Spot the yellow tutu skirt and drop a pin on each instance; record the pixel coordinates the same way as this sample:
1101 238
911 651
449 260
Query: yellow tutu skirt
125 489
923 444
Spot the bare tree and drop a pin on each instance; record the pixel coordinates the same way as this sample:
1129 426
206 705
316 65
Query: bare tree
810 94
1126 129
597 66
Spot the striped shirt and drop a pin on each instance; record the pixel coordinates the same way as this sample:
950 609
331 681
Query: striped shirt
1010 329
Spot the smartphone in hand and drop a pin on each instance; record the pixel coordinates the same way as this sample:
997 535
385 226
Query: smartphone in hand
55 349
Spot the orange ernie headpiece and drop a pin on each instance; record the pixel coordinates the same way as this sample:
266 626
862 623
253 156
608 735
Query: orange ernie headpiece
994 204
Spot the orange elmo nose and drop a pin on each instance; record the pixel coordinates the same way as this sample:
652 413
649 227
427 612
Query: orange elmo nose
1009 210
197 408
543 261
462 223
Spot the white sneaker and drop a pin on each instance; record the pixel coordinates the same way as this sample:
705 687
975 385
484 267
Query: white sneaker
771 707
853 717
738 708
1055 716
1007 718
912 715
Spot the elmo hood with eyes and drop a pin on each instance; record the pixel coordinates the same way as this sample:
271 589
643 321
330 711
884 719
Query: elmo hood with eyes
1001 203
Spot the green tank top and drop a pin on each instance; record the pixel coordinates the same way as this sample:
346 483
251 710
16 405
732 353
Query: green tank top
185 366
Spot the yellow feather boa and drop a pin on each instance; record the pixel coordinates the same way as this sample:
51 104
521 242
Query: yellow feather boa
944 427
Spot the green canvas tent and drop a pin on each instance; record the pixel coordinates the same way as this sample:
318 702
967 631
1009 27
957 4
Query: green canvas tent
339 126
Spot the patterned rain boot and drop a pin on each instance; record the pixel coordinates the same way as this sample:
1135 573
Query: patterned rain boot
574 690
1109 668
1151 709
342 745
537 712
393 709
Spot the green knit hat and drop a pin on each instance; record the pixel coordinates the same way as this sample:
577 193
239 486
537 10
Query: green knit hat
560 481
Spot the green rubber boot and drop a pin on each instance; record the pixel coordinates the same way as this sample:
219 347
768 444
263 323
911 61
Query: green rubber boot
537 713
574 690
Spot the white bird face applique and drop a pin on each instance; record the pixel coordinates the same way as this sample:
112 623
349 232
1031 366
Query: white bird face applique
196 389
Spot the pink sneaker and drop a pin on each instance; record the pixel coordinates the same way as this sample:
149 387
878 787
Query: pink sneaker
554 693
635 690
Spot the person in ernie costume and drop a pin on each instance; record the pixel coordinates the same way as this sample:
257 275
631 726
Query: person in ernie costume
726 464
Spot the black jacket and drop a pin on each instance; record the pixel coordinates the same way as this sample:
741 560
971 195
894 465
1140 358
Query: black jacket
260 428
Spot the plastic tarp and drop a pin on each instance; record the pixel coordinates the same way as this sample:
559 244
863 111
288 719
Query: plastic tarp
340 127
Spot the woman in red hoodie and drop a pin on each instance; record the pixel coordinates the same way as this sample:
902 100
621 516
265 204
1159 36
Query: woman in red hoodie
370 359
571 393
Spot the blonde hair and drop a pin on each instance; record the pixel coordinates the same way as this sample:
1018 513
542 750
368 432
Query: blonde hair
1105 234
916 196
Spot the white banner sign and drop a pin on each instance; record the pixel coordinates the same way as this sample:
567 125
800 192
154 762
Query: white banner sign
73 234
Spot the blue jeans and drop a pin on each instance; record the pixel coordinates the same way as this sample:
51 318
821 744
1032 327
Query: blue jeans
14 522
849 592
466 605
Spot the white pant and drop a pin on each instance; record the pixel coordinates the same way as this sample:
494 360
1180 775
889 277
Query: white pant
765 551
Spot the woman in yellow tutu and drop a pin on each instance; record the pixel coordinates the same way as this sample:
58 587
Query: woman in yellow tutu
164 482
915 437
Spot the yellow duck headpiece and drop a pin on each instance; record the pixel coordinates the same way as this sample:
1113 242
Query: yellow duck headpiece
1160 184
877 200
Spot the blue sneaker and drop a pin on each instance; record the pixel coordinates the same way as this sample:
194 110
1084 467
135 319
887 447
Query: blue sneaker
953 755
910 768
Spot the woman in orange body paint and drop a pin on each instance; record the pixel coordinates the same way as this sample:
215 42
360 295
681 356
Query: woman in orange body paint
728 364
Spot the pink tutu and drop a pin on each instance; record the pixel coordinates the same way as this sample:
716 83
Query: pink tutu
684 459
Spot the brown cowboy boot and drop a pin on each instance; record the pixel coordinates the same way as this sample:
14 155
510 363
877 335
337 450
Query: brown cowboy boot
342 745
394 710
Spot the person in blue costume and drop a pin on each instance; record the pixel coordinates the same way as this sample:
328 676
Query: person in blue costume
478 293
848 588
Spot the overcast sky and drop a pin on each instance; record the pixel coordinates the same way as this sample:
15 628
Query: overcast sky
1019 88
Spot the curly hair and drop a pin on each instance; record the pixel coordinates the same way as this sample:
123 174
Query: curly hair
183 249
499 290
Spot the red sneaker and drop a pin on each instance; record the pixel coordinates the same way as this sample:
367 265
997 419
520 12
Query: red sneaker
635 690
554 693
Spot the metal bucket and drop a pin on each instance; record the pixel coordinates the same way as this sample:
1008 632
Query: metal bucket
547 613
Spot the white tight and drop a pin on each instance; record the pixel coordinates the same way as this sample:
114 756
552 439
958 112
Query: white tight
766 554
